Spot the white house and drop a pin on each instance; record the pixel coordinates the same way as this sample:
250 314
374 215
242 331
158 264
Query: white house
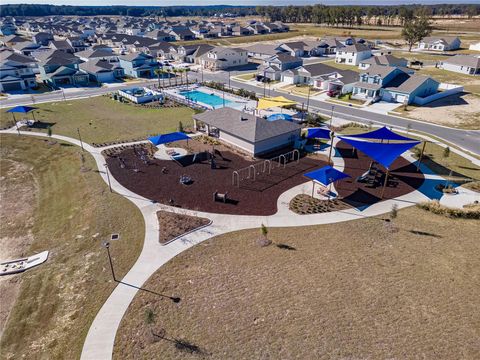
475 46
248 132
444 43
352 54
220 58
385 60
463 64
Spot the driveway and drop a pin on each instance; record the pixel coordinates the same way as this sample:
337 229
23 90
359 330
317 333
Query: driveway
382 107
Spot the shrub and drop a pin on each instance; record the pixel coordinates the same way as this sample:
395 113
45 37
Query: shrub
468 212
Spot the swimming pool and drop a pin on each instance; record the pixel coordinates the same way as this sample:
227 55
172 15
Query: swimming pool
213 100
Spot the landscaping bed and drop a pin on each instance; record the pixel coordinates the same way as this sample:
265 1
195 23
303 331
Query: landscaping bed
173 225
304 204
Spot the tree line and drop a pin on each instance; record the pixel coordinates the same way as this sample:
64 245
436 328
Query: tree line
350 15
138 11
347 15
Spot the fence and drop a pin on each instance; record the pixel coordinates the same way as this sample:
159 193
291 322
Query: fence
438 95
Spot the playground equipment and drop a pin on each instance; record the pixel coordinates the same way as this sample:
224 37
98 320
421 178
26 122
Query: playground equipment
264 167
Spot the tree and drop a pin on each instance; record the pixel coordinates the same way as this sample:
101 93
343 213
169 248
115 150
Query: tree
264 241
158 72
416 29
49 131
180 126
446 152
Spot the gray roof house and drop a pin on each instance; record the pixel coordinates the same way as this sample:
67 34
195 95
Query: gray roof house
248 132
440 43
273 66
385 60
393 84
463 64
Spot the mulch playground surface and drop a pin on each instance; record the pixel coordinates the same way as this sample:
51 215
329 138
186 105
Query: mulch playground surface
257 197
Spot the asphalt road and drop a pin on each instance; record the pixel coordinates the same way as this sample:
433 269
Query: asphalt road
466 139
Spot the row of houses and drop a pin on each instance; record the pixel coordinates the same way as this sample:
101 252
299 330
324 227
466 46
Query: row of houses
151 27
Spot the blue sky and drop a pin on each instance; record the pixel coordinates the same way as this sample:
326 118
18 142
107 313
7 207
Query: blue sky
233 2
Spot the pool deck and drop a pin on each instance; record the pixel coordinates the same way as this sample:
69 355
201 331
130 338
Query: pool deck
232 101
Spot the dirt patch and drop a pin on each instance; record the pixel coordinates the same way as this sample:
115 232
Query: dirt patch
462 110
173 225
18 190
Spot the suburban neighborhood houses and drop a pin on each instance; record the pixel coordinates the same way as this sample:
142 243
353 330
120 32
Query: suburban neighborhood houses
281 181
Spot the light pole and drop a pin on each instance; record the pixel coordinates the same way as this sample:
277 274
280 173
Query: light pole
80 138
223 88
308 97
229 86
331 117
108 177
106 245
63 93
264 82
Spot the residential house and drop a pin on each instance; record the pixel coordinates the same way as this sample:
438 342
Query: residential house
352 54
61 68
393 84
61 45
322 76
272 68
463 64
138 65
102 71
384 60
220 58
17 72
160 35
474 46
184 34
261 52
191 53
25 48
42 38
443 43
241 31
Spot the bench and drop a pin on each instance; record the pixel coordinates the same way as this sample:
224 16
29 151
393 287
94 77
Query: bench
220 197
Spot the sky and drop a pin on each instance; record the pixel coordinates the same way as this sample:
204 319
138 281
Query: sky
234 2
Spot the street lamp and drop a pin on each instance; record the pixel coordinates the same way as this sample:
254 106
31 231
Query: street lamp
108 176
106 245
80 138
308 97
331 116
229 86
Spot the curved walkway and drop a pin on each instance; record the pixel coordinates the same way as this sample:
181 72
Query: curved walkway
100 339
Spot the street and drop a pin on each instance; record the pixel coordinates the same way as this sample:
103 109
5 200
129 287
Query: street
466 139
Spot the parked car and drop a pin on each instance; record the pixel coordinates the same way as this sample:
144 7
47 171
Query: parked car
333 93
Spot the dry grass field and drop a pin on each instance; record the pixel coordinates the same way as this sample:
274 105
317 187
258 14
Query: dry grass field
48 203
354 290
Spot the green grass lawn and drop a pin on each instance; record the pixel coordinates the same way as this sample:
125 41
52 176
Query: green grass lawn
332 63
101 119
73 213
248 76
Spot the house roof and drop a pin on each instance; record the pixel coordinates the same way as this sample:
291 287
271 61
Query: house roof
96 66
357 47
464 60
411 83
379 70
95 53
266 49
389 60
245 126
444 39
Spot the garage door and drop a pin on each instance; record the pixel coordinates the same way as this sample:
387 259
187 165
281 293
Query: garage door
12 86
400 98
